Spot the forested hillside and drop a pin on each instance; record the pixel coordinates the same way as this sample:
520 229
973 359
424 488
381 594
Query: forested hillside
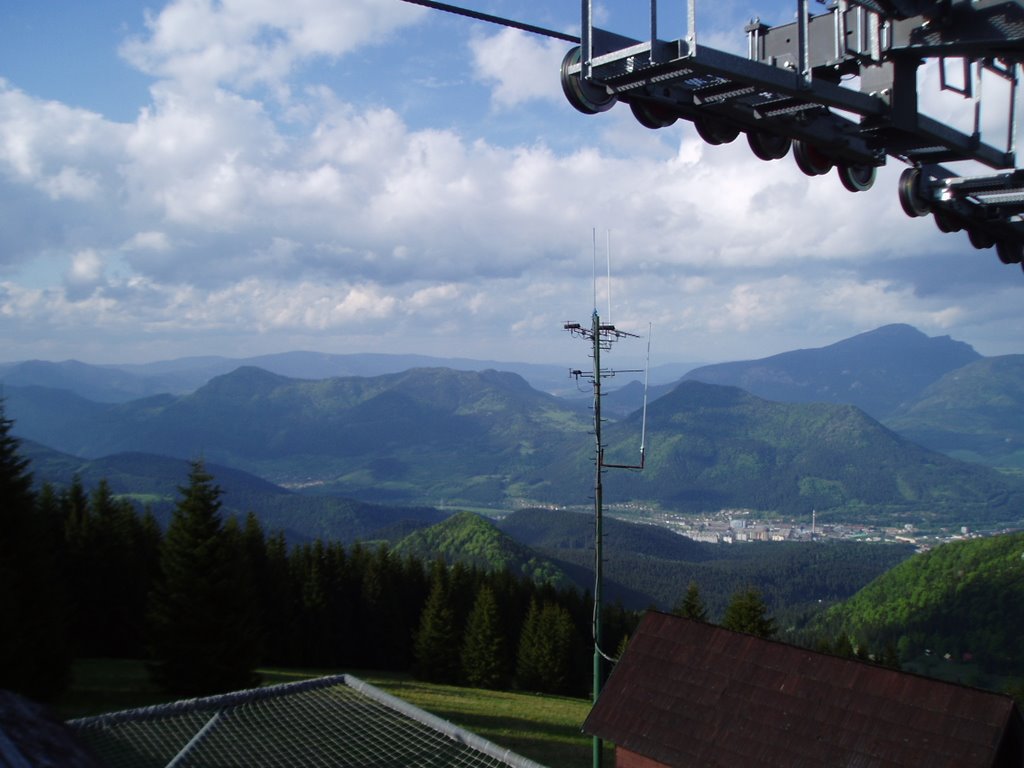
964 599
877 371
650 566
425 434
209 598
428 437
440 437
714 447
473 541
975 412
152 482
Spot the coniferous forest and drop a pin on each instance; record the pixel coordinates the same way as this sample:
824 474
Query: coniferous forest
208 600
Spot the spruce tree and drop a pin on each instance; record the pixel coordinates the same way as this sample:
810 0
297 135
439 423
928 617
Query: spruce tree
110 556
34 656
201 637
483 650
692 605
545 649
748 613
437 642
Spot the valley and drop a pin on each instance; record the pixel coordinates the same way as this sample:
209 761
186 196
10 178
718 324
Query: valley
808 450
739 526
808 497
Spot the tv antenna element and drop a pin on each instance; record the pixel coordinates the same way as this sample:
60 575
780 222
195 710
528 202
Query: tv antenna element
601 337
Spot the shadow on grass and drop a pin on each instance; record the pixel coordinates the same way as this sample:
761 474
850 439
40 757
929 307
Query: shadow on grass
99 686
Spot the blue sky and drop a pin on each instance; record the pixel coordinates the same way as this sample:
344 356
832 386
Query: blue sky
250 176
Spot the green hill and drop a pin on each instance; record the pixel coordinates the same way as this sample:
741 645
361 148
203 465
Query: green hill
646 565
562 530
470 539
975 413
421 434
153 481
443 437
714 447
964 599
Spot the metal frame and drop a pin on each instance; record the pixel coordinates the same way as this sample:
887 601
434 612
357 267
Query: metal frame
792 90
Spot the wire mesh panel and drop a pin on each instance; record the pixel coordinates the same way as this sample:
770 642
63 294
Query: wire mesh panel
317 723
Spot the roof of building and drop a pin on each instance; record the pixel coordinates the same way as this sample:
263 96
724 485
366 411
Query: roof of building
32 737
336 721
690 693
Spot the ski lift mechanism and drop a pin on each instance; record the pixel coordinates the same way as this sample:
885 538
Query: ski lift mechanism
792 93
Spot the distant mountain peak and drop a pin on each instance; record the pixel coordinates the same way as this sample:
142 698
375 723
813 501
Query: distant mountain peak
877 370
246 378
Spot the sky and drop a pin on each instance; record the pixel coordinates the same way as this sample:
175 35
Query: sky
244 177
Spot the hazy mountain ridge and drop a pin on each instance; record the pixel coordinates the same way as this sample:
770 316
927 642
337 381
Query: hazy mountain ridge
878 371
433 435
153 481
416 434
974 412
428 435
118 383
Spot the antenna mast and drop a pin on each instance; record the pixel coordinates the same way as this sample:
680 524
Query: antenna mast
601 337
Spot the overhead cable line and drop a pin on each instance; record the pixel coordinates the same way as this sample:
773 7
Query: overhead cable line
496 20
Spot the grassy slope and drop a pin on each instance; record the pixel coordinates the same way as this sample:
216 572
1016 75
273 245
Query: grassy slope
545 729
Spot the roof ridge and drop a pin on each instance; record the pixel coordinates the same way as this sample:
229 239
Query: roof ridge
216 701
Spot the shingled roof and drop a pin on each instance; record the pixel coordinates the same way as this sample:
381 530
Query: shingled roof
330 721
689 693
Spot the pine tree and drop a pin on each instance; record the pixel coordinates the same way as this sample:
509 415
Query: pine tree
390 631
201 638
748 613
34 655
437 642
483 650
545 649
692 605
110 556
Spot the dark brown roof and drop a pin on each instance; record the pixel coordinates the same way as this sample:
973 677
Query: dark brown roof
689 693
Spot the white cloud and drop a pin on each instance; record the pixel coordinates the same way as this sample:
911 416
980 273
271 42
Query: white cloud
86 268
64 152
248 42
148 241
215 213
521 67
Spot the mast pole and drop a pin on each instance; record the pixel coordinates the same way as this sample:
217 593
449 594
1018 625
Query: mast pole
598 527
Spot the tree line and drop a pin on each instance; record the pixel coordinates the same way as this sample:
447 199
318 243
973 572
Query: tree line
209 600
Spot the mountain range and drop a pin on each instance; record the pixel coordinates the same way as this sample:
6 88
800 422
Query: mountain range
154 482
427 436
935 391
124 382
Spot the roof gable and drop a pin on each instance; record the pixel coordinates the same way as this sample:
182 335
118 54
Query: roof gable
336 720
689 693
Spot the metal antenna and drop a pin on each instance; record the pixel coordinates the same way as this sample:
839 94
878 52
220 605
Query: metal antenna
601 337
608 253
